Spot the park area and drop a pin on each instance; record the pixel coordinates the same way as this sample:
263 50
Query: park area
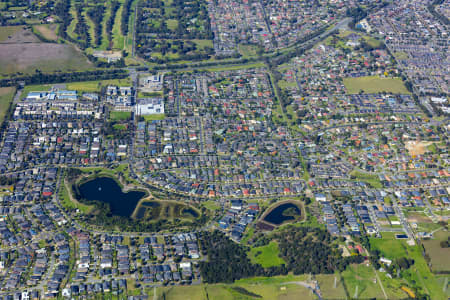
374 84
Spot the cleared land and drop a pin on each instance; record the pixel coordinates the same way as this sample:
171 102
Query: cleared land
46 57
6 96
16 34
8 31
439 256
48 31
266 256
417 147
375 84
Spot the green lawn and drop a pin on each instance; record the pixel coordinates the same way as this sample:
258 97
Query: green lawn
67 202
172 24
248 50
96 86
118 38
375 84
266 256
73 23
35 88
120 126
211 205
201 44
119 115
286 84
154 117
238 67
371 179
6 96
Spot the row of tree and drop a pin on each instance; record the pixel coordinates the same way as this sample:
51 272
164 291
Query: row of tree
96 15
125 16
81 28
110 22
41 78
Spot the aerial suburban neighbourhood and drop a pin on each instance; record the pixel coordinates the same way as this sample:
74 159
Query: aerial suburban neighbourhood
224 149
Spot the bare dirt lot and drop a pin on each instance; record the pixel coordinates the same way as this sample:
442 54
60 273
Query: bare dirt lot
47 57
17 34
48 31
417 147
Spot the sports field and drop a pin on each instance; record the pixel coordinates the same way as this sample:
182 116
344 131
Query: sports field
375 84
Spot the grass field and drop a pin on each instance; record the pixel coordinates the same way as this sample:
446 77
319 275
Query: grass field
285 84
67 202
193 292
6 96
211 205
439 256
119 115
154 117
371 179
266 256
375 84
248 50
118 38
360 282
172 24
6 31
201 44
96 86
418 275
275 288
328 288
239 67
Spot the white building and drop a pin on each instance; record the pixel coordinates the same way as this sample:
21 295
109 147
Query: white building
149 106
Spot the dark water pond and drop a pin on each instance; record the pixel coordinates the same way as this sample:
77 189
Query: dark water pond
282 213
107 190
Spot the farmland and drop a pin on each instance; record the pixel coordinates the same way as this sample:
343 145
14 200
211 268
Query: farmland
46 57
418 274
438 255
